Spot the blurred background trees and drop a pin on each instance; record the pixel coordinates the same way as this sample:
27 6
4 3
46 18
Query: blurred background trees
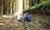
11 6
41 6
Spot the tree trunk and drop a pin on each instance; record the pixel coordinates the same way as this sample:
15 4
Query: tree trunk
30 2
13 7
7 6
2 8
10 6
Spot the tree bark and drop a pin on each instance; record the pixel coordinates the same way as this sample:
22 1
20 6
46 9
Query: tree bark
2 8
10 6
7 6
13 7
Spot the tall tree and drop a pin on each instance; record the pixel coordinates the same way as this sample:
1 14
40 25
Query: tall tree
2 8
11 6
7 6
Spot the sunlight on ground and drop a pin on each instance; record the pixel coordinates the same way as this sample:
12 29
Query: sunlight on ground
1 24
15 14
5 16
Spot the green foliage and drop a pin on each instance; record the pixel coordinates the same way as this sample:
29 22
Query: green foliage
38 5
48 10
0 8
47 4
44 0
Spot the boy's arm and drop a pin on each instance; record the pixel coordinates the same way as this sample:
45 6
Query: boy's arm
24 17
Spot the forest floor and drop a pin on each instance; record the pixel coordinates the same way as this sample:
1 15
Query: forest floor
11 23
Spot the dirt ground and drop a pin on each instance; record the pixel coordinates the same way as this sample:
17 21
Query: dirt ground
14 24
10 24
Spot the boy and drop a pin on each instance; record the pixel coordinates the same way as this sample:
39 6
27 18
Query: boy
27 17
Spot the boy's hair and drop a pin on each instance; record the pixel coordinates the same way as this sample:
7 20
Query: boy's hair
27 13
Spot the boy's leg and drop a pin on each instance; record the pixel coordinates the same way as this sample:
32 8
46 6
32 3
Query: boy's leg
28 20
24 19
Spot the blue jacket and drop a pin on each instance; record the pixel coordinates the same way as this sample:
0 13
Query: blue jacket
28 17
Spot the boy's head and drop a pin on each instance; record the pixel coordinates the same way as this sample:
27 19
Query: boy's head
27 13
